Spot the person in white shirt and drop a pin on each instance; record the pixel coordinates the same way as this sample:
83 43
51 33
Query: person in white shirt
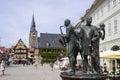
2 67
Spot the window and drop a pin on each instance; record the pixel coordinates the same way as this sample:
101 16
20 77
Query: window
118 64
43 50
93 17
97 14
49 50
101 11
58 50
17 51
115 25
24 51
108 5
114 3
53 42
18 56
47 44
109 29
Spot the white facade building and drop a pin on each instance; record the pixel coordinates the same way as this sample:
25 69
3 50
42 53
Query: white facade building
107 12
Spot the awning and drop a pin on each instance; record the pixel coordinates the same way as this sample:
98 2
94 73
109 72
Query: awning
24 59
110 54
20 59
16 59
65 58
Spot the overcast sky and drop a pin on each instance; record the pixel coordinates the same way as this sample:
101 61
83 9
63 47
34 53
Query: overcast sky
16 17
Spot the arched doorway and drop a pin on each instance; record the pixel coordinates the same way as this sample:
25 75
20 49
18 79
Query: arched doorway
115 48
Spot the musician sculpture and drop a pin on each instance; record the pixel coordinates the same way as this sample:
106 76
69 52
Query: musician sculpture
83 39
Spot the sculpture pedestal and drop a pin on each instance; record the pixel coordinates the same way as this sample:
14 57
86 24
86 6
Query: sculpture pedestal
114 77
83 76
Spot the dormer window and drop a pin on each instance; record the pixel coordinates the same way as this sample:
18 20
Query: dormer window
53 42
47 44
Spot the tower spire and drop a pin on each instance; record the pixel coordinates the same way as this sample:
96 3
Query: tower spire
32 29
33 21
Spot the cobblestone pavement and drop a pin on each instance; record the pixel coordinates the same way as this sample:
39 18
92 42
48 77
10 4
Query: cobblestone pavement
20 72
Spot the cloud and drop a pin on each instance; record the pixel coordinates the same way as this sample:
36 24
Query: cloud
16 16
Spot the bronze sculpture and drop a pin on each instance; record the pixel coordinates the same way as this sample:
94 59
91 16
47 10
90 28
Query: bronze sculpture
87 35
98 33
83 39
71 44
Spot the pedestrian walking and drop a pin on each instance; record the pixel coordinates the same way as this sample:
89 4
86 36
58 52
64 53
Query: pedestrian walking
35 65
52 65
2 67
23 63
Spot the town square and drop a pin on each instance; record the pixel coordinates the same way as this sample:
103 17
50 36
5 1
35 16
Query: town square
60 40
30 73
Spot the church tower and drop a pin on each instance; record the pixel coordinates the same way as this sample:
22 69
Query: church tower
33 42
